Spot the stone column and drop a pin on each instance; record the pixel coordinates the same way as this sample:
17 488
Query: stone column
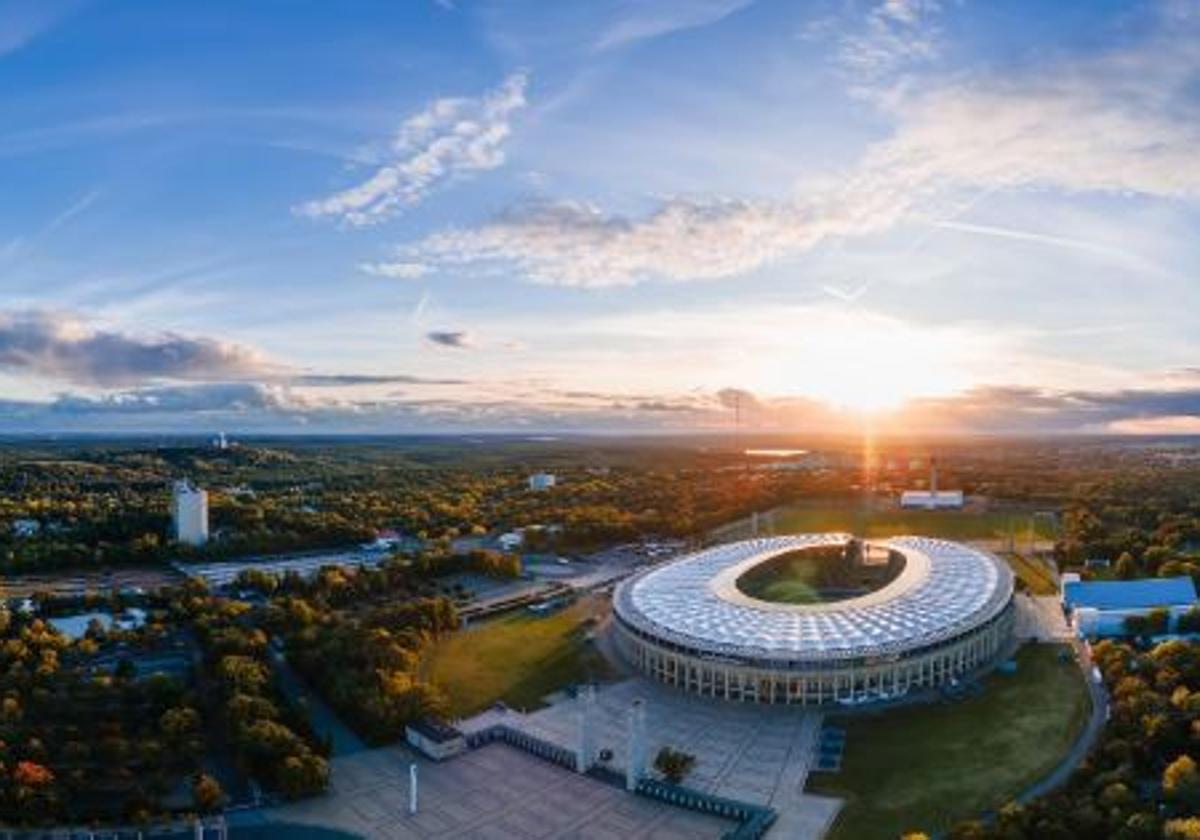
635 760
585 751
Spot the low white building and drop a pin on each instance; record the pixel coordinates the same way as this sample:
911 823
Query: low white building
512 540
932 499
26 528
435 740
1098 608
189 513
542 481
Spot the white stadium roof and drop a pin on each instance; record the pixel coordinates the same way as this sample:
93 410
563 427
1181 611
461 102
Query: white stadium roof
944 590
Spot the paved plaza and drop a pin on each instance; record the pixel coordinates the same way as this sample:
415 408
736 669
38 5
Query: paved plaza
493 793
1040 617
754 753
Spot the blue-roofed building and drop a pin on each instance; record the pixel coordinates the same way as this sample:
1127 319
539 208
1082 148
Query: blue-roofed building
1100 607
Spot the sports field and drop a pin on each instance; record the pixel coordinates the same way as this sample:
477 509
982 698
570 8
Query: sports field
868 521
926 767
517 658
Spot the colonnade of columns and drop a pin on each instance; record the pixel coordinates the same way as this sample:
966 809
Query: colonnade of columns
875 679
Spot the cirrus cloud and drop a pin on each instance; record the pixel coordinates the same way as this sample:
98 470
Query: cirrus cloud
1124 123
451 138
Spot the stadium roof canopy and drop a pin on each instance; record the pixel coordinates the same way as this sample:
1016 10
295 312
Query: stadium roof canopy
944 589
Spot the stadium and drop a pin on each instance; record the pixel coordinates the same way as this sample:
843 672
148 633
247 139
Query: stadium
929 612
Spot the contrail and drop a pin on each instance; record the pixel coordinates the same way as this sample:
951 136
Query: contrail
1033 236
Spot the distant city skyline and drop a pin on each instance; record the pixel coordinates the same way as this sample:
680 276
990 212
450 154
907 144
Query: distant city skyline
927 216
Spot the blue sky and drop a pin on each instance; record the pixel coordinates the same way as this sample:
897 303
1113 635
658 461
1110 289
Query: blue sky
935 215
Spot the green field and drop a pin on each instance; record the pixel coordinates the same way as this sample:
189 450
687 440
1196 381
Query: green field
929 766
853 517
814 576
518 658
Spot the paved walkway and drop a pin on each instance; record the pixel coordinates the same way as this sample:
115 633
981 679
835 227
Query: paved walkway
493 793
757 754
1041 618
325 721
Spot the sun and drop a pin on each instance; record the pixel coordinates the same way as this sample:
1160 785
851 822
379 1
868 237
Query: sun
872 366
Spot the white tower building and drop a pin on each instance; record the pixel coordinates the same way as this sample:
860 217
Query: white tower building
189 513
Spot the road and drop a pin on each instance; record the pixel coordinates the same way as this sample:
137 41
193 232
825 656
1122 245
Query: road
325 720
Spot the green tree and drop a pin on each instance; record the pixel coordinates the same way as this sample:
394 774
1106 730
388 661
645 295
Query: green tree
673 764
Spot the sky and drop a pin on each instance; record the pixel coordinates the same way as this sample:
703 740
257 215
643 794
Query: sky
923 216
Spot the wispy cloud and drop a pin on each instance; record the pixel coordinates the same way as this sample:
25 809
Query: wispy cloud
1122 123
573 244
76 208
22 21
641 21
894 34
396 270
451 138
337 380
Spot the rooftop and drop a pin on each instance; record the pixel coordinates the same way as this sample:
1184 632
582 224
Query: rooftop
944 588
1129 594
435 731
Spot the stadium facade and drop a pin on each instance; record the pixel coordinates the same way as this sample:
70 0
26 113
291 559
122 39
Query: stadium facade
948 612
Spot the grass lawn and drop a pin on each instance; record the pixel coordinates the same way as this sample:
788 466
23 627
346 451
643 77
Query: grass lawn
929 766
842 515
517 658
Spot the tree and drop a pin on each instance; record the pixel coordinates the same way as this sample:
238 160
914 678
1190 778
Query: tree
1181 781
1158 621
1182 829
674 764
1189 622
1136 625
303 774
32 775
206 793
1126 568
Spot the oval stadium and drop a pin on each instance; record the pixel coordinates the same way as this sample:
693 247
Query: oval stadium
817 618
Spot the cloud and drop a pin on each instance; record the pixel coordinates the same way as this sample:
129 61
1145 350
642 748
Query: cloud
236 397
737 398
1123 123
396 270
349 379
66 348
1037 410
62 347
449 139
22 21
895 33
76 208
651 20
458 339
574 244
267 406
